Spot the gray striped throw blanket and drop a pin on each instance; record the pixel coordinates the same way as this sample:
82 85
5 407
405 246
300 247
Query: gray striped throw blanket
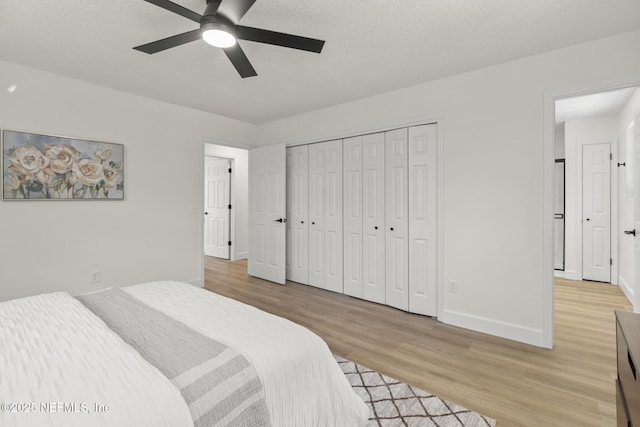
220 386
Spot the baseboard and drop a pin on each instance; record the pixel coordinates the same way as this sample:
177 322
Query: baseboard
197 282
493 327
559 273
571 275
242 255
626 288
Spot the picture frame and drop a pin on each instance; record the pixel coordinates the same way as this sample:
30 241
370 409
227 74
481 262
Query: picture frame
48 167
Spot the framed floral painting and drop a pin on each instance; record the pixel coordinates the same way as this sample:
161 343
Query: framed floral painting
45 167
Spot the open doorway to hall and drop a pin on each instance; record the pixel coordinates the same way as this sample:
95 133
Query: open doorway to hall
225 202
594 195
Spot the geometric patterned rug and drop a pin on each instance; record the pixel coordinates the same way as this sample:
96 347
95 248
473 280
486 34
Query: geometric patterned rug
394 403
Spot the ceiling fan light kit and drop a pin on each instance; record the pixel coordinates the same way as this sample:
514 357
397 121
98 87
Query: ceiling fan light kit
222 30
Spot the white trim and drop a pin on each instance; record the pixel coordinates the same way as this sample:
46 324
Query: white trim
571 275
559 274
626 289
225 143
550 96
368 129
242 255
486 325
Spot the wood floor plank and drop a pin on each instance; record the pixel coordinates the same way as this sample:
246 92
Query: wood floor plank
517 384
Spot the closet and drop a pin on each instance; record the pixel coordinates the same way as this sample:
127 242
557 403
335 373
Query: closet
372 217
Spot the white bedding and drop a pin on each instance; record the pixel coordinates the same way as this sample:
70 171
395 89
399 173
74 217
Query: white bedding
55 355
55 351
304 385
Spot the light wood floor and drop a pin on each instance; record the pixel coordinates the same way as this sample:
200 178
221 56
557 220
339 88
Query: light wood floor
517 384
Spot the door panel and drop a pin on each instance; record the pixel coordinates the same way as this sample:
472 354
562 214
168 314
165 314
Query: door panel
267 205
353 263
422 157
397 294
373 188
298 214
596 212
558 221
636 214
333 216
217 202
316 214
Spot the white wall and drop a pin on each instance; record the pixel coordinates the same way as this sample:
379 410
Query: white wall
580 132
155 234
627 281
493 172
239 195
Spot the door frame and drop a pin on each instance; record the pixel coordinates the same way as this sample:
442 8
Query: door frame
548 154
199 209
376 127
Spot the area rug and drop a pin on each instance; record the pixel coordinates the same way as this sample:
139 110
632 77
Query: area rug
394 403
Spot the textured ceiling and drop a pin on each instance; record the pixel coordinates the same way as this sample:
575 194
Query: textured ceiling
372 46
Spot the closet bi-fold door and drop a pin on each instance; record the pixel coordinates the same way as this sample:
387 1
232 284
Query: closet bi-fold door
373 217
353 195
325 215
316 214
333 238
397 221
298 214
423 176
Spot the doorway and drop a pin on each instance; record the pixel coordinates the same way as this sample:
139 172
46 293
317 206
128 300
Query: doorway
596 121
217 207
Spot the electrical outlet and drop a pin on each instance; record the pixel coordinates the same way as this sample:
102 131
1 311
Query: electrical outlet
453 286
95 276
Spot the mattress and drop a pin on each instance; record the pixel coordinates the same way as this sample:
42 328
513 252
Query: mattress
55 351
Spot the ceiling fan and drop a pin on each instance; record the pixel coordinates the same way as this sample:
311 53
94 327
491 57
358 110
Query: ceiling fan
221 29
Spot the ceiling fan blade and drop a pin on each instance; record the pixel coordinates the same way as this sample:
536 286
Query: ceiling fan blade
240 61
279 39
236 9
176 8
169 42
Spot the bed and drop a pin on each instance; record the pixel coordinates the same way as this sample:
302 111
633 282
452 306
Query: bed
88 361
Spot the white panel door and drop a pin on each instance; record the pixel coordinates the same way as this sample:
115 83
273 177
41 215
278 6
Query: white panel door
267 209
636 215
397 230
353 216
558 220
298 214
373 206
316 215
217 202
333 247
596 212
423 201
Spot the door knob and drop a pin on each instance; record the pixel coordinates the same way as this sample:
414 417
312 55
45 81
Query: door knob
630 232
588 219
280 220
313 223
391 229
206 213
376 227
301 222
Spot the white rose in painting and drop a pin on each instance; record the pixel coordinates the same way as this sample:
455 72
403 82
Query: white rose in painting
88 172
103 155
27 160
111 177
61 157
